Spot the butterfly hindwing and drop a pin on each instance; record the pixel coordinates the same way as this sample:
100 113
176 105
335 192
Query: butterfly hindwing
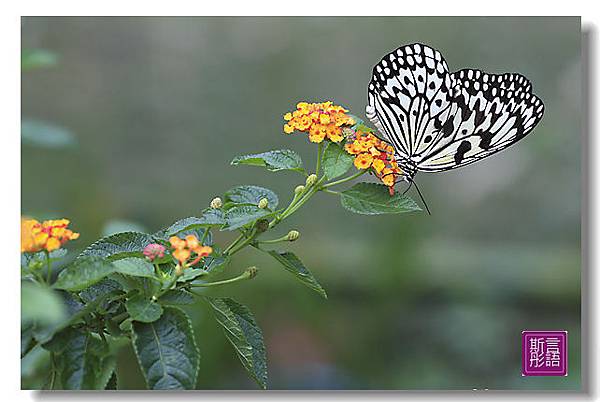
439 120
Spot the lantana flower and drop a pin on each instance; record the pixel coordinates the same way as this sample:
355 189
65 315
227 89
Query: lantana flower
320 120
48 235
154 250
371 152
185 249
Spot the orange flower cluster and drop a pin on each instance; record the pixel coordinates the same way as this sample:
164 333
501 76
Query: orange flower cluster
48 235
319 120
183 249
371 152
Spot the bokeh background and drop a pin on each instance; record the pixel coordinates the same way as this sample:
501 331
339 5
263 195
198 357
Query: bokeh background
135 126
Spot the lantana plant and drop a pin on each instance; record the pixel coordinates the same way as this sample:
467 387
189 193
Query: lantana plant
129 287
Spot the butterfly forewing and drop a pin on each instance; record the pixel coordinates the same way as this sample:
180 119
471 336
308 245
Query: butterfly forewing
439 120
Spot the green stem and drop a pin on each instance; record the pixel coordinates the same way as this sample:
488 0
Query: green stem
248 274
53 371
278 240
241 245
330 191
49 267
319 157
204 236
234 243
346 179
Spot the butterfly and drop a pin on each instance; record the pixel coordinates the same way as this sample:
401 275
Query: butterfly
437 120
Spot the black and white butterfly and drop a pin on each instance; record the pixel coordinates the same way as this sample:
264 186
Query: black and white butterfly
437 120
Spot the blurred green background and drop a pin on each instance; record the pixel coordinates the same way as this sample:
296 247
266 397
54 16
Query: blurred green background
149 112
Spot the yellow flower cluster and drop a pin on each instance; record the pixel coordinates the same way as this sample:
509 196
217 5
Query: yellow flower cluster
183 249
371 152
48 235
319 120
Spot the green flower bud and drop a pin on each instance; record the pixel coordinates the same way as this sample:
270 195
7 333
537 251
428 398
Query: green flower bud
298 190
216 203
178 270
311 180
293 235
263 203
262 225
252 272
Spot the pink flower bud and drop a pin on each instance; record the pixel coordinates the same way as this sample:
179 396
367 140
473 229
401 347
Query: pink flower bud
154 250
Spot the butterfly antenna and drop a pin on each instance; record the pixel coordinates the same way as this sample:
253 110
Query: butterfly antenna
422 199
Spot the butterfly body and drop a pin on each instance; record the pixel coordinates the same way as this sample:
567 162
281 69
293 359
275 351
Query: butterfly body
437 120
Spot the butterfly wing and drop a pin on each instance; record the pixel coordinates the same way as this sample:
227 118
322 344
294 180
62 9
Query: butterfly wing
493 111
439 120
410 90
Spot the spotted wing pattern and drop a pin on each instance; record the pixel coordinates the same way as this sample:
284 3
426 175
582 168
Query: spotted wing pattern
439 120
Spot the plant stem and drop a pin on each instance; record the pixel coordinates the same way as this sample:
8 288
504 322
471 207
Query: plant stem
319 156
278 240
325 190
49 266
243 244
234 243
245 275
344 180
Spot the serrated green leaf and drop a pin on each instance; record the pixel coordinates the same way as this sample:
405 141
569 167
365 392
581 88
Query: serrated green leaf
82 362
293 264
239 216
117 246
375 199
336 161
183 227
37 58
177 297
41 304
251 195
134 267
167 351
190 274
143 309
100 289
281 159
82 273
244 334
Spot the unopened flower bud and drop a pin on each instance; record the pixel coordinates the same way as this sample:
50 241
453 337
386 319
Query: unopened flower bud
178 270
347 132
298 190
311 180
252 272
263 203
153 251
293 235
262 225
216 203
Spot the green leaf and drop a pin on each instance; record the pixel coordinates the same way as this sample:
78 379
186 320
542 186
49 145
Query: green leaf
293 264
41 304
244 334
215 264
120 245
45 135
190 274
183 227
282 159
336 161
104 287
177 297
142 309
375 199
134 267
82 273
167 351
82 361
251 195
37 58
237 217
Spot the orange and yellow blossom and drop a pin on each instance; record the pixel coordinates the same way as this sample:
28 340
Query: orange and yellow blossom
371 152
183 249
48 235
320 120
